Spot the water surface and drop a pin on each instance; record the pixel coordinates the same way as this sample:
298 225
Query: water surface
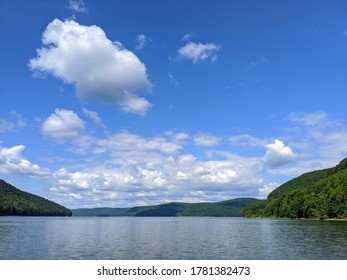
130 238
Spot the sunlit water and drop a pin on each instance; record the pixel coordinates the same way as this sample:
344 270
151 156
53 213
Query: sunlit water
170 238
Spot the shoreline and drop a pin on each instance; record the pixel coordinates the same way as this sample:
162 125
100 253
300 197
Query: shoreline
301 219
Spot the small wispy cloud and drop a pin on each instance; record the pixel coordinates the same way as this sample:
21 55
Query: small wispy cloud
206 140
314 119
14 121
172 79
77 6
187 37
18 118
257 62
141 41
247 140
199 52
5 125
94 116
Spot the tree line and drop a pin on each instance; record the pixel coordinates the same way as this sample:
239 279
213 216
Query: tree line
320 194
14 202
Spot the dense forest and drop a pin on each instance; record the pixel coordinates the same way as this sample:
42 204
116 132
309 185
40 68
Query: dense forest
228 208
14 202
319 194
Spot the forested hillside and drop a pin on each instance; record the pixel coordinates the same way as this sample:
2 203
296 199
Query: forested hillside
228 208
319 194
16 202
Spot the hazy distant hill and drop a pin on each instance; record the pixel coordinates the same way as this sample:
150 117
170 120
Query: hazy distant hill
18 203
319 194
229 208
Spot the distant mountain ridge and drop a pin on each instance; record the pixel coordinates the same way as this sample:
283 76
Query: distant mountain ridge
14 202
228 208
320 194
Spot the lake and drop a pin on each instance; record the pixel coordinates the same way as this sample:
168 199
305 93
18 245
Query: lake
129 238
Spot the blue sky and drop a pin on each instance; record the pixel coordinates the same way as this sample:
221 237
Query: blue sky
123 103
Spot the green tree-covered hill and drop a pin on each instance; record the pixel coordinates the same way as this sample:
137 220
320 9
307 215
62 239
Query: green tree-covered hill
319 194
229 208
18 203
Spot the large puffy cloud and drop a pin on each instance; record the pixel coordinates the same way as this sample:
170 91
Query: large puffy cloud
12 161
278 154
99 68
199 52
216 172
62 124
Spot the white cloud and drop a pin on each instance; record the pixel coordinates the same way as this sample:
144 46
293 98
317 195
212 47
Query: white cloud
303 166
247 140
216 172
12 161
333 144
62 125
180 137
199 52
141 41
319 142
18 119
77 6
81 144
135 144
14 121
99 68
6 125
278 154
165 179
323 141
205 139
172 80
141 170
310 119
267 188
127 169
257 62
186 37
93 115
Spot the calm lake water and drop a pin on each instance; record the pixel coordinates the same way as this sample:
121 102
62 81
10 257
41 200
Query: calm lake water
130 238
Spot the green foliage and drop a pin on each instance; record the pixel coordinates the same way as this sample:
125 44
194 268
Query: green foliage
100 212
319 194
302 181
255 209
16 202
229 208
